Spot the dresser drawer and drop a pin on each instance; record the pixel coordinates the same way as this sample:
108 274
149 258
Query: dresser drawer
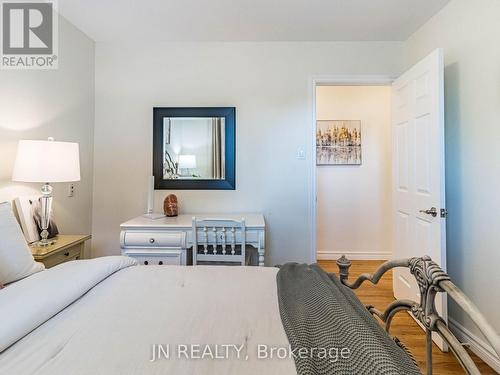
153 239
61 257
170 258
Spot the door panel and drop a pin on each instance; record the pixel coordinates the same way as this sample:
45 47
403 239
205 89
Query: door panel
422 156
402 157
418 172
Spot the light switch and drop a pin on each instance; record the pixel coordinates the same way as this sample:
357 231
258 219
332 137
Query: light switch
301 154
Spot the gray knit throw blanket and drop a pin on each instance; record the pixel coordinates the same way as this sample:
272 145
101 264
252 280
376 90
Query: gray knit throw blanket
330 331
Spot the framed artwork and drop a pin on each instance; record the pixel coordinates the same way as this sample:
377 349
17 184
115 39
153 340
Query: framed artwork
25 209
29 213
338 142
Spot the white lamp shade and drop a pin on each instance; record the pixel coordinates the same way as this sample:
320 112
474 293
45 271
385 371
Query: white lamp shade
187 161
47 161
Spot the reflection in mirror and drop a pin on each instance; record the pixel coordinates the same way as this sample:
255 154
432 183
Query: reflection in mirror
193 148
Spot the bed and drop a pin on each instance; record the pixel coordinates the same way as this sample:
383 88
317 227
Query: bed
109 316
104 316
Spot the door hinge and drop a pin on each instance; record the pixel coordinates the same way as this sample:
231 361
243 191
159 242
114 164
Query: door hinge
444 212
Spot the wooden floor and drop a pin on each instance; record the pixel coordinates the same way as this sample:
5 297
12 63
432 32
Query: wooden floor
403 326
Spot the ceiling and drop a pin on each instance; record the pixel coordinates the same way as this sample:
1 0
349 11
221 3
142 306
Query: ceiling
249 20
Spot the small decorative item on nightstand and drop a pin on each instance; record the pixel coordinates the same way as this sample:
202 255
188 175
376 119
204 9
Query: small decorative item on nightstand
30 217
67 247
170 205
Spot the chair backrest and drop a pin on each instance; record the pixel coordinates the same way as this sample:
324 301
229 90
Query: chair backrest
212 233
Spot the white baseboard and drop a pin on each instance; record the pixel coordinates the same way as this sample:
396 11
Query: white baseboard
477 345
353 255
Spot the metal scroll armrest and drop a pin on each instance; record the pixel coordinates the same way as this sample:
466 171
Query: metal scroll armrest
431 279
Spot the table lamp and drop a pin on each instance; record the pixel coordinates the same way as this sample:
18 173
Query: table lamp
46 162
187 162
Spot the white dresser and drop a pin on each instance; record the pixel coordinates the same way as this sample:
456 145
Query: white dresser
167 240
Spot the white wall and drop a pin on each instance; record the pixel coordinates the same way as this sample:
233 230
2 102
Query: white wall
270 84
354 202
37 104
469 33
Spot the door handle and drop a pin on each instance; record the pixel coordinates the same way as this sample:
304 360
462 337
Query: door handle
432 211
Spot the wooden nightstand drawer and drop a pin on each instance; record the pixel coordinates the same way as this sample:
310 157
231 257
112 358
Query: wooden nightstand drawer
66 248
154 239
61 257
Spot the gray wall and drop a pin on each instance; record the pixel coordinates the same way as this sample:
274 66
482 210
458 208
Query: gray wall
37 104
469 33
270 84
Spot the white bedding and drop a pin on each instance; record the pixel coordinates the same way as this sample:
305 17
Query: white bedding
111 329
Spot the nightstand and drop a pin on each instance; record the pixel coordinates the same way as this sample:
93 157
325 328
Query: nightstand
68 247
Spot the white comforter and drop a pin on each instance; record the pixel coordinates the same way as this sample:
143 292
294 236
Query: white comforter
103 316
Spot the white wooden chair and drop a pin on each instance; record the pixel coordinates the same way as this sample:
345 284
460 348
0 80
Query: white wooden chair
219 240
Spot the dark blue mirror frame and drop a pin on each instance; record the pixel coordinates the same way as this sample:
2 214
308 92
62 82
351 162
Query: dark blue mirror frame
229 113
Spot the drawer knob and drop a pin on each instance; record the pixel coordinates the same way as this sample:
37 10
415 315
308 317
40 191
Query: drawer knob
151 240
146 262
66 254
160 262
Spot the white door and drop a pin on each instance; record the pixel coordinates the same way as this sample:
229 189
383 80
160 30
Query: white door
418 173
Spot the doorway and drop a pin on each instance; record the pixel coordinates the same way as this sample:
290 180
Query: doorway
417 178
353 171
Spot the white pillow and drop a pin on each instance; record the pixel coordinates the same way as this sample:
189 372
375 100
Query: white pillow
16 260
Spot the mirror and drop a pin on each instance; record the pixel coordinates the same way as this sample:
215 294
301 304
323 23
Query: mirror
193 148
